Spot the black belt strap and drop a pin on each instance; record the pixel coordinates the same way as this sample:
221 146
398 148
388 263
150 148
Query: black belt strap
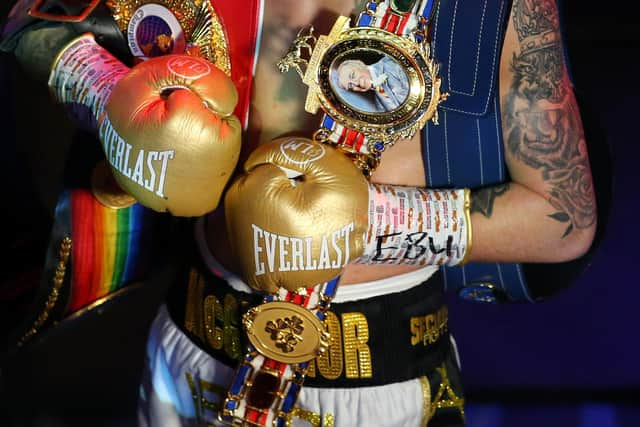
375 341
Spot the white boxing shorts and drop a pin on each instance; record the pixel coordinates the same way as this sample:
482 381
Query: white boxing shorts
401 375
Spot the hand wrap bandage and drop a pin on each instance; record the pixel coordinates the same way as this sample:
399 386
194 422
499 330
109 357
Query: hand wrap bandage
417 226
82 79
302 211
166 125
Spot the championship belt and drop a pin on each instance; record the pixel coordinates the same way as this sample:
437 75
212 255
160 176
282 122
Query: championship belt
392 37
286 332
360 123
212 30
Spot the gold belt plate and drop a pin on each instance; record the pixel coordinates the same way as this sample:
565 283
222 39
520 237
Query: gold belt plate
286 332
388 122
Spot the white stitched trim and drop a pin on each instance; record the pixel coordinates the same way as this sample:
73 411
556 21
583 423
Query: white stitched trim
436 17
464 276
500 276
480 152
495 48
453 30
446 145
428 149
475 73
499 138
522 285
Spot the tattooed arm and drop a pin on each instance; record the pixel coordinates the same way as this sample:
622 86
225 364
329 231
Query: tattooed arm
547 213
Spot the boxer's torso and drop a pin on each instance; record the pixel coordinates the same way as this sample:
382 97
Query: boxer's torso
277 108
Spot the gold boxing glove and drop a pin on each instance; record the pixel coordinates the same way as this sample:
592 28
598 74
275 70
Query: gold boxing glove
297 215
166 125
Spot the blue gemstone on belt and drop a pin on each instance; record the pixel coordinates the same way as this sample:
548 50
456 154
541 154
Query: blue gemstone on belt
238 382
330 288
428 9
290 399
327 122
379 146
365 20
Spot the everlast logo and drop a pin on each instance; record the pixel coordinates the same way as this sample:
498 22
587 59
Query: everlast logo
276 253
148 169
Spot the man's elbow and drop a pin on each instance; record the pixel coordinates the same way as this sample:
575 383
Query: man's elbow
577 243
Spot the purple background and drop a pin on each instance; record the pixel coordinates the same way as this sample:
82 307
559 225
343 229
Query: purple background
584 341
586 338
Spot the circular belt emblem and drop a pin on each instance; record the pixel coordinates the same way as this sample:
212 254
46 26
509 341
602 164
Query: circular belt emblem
160 27
153 31
285 332
369 80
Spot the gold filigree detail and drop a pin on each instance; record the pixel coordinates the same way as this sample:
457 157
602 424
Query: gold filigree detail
382 129
426 401
286 332
221 324
58 280
213 318
202 28
200 402
193 318
232 332
209 36
313 418
293 57
446 397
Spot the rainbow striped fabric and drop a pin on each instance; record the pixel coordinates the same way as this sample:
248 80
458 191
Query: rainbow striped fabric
110 247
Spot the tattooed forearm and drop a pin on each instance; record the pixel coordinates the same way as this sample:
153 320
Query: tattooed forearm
543 127
482 199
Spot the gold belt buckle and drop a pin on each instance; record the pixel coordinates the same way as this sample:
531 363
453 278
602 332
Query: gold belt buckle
37 12
286 332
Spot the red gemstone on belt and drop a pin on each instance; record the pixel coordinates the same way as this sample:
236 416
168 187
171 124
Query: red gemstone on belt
263 391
